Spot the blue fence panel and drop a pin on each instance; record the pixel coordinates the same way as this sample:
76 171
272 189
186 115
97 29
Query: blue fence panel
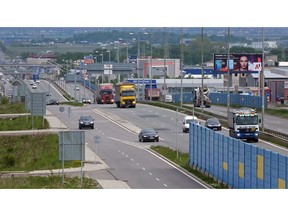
282 168
211 153
247 167
260 182
242 160
225 158
254 167
216 155
230 162
236 99
235 163
199 146
274 170
221 156
204 148
267 169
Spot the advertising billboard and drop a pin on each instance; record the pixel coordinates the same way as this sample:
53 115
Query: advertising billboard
237 63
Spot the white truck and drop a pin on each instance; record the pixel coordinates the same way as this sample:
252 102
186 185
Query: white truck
244 124
198 96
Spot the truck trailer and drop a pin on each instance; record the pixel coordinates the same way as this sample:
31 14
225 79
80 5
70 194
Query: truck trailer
244 124
125 95
154 93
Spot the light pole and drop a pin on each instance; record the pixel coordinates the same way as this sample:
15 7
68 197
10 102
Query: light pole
108 51
75 80
228 73
202 72
150 66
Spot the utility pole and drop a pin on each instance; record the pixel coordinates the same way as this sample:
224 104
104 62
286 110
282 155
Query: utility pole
262 80
151 66
228 72
202 72
181 65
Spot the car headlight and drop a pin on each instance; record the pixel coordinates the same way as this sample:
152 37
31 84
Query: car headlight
81 122
156 135
92 122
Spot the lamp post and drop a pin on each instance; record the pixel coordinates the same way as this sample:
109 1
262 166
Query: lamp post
108 51
75 80
150 66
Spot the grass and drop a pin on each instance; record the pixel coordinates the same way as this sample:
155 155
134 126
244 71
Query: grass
36 152
6 108
48 182
183 161
23 123
31 152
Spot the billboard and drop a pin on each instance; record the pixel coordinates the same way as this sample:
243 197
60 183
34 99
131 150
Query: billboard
237 63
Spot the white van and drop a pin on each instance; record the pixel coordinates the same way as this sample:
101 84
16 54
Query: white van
168 98
187 120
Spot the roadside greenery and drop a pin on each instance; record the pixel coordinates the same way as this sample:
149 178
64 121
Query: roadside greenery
183 161
23 123
48 182
31 152
10 108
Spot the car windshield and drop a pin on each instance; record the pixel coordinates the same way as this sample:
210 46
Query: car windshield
128 93
247 120
105 92
83 118
213 121
148 130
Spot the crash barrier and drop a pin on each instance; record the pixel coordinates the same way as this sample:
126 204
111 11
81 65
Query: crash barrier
234 162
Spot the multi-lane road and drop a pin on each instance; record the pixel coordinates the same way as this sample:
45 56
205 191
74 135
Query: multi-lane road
127 158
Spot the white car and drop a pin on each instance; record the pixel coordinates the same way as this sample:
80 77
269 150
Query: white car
187 120
34 86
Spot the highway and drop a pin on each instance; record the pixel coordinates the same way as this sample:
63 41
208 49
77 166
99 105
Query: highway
128 159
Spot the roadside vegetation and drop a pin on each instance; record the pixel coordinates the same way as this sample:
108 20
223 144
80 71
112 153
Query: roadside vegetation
10 108
20 154
48 182
183 161
31 152
23 123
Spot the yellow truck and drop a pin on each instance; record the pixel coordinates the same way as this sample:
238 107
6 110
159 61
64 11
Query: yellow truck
125 95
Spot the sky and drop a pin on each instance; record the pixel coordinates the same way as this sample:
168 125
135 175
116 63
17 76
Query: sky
148 13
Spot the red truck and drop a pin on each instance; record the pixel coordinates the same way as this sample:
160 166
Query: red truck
155 94
105 94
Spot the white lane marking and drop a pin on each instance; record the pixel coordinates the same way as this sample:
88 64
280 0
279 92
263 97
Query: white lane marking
150 173
165 185
165 161
157 179
132 159
143 168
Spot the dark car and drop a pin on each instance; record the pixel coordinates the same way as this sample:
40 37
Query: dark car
213 123
86 100
86 121
53 101
148 134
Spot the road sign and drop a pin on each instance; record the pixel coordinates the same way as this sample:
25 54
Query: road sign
97 139
61 109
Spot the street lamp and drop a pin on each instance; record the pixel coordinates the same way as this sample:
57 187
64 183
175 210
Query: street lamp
143 86
108 51
150 66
